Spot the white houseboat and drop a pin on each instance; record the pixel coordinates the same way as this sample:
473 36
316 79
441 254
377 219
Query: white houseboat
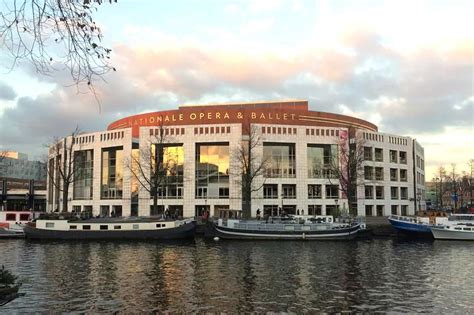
291 228
110 228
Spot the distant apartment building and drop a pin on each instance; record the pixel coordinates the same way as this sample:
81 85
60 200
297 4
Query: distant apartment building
22 183
16 165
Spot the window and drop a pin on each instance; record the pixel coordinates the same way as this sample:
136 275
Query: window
117 227
83 170
332 192
112 173
379 173
368 210
224 192
212 170
321 157
393 174
379 192
50 225
393 156
404 209
104 227
270 191
403 193
314 192
135 226
86 227
369 192
403 157
289 191
394 192
378 154
368 172
281 160
73 227
394 209
315 209
24 217
368 153
379 210
403 175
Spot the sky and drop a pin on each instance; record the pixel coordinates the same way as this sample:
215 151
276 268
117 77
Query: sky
407 66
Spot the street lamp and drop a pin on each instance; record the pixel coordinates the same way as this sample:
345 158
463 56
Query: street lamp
418 199
281 210
336 201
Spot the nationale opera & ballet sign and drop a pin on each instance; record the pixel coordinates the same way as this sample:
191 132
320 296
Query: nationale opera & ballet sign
209 117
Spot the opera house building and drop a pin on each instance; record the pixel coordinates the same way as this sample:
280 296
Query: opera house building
191 159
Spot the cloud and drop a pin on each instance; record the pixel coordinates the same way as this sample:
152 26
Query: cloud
414 92
6 92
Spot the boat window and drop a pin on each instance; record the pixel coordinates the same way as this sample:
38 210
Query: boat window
50 225
104 227
158 225
11 217
86 227
135 226
24 217
73 227
117 227
466 229
458 228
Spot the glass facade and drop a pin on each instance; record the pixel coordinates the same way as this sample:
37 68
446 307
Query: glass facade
172 157
83 170
112 173
212 170
280 160
320 158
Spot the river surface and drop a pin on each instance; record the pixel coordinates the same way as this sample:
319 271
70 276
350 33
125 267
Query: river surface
201 276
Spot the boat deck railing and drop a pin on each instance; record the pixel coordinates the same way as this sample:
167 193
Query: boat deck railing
403 218
261 226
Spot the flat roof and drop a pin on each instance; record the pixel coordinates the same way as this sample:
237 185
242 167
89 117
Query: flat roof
244 103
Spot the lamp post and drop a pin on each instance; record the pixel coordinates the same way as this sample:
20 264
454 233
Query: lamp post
281 210
418 199
336 201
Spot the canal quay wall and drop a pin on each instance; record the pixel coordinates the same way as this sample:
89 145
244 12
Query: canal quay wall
379 227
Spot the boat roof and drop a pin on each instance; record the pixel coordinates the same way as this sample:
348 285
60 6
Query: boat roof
116 220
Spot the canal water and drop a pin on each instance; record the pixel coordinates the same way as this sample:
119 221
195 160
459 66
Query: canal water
234 276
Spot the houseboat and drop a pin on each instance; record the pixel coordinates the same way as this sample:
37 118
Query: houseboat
131 228
287 228
458 227
419 225
12 222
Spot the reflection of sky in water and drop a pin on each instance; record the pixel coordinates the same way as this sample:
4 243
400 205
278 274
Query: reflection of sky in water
205 276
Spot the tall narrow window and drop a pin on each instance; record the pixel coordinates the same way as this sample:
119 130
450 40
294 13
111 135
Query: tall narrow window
112 173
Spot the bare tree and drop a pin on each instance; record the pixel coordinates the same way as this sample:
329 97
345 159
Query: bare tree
50 33
346 167
154 165
64 171
441 179
250 166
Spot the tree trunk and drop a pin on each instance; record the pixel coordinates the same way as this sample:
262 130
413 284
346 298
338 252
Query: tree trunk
246 202
65 197
155 203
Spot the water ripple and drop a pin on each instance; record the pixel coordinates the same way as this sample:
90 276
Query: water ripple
240 277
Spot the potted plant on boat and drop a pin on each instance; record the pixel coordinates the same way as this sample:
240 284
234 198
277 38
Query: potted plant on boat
9 286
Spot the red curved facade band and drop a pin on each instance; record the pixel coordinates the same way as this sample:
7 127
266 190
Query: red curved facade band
278 113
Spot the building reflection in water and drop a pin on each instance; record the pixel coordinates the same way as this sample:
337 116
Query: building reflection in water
240 277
